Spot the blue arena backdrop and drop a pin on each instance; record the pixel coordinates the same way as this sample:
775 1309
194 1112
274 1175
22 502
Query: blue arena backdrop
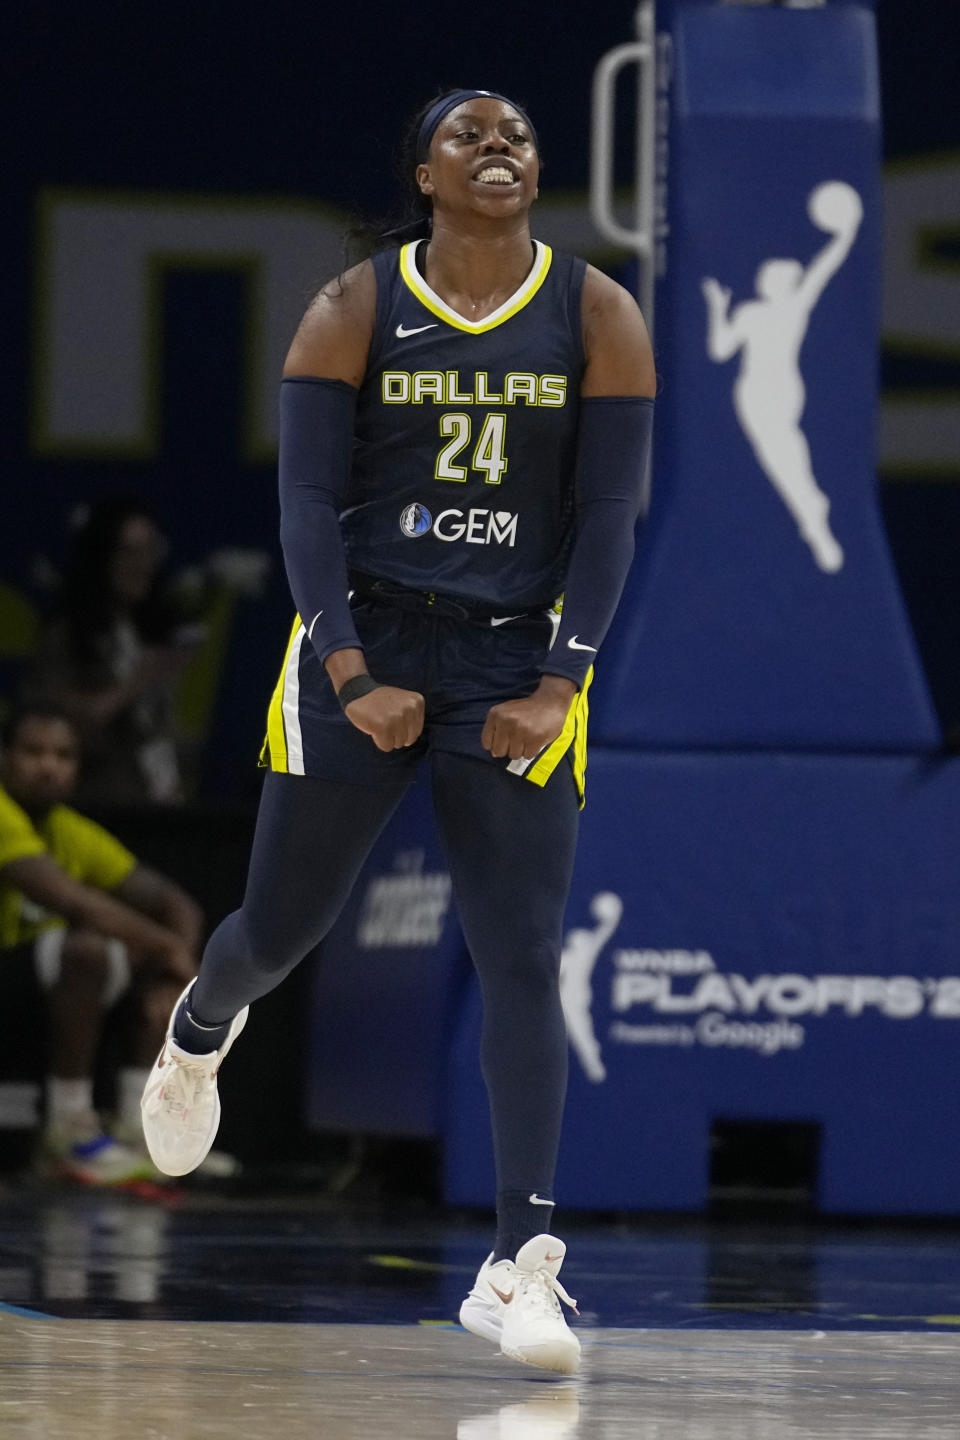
763 611
214 161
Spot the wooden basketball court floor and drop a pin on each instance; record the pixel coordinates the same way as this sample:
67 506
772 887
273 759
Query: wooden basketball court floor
291 1317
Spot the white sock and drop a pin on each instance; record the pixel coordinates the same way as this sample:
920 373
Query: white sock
131 1082
68 1099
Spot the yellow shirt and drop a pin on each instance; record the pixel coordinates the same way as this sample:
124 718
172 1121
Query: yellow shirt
80 847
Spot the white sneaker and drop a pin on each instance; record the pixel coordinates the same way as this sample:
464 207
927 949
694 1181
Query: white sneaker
82 1151
515 1305
216 1164
180 1105
482 1311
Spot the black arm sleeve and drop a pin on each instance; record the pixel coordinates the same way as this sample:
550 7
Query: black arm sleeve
612 481
316 438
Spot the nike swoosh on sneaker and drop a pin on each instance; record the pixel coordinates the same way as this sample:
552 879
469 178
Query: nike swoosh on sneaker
505 1298
574 644
402 332
551 1258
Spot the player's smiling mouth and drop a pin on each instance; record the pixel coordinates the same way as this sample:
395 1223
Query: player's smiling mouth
496 172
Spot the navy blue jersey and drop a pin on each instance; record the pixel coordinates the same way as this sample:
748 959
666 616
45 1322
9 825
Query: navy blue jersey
465 437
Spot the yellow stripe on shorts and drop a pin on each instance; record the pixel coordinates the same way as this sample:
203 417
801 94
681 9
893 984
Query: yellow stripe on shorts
273 752
574 733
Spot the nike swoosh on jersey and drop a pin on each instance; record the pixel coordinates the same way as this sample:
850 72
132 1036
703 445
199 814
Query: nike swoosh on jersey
574 644
502 619
402 332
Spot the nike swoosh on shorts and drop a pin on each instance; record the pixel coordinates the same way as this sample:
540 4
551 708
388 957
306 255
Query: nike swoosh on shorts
574 644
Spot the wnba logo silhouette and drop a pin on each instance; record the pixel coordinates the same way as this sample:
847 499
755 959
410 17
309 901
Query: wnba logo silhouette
581 951
768 333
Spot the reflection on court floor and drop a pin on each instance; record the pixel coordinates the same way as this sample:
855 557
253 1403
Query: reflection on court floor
215 1317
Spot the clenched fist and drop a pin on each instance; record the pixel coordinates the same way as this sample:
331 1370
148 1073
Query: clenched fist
520 729
393 718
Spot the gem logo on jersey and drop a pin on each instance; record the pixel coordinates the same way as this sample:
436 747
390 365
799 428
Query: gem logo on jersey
476 526
415 520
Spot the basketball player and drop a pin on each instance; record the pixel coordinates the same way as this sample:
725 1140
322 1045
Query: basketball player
465 429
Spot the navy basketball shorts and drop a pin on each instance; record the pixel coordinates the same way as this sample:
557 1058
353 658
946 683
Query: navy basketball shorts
460 665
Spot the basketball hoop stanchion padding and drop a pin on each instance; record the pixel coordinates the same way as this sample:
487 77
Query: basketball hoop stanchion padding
763 609
763 918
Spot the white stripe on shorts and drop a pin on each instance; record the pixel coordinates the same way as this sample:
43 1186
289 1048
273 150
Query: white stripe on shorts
520 767
291 706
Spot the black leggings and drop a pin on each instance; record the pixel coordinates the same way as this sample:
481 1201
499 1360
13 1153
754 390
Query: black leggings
510 846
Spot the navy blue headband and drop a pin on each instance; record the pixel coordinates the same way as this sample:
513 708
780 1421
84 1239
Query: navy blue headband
450 102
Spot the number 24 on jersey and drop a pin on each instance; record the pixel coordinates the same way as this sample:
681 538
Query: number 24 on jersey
488 453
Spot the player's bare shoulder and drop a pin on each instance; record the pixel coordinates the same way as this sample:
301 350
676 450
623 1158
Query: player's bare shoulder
615 340
333 339
604 296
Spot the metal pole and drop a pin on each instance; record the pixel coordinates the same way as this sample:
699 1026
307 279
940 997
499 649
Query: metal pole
639 239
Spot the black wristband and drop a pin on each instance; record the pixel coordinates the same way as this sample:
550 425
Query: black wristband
356 686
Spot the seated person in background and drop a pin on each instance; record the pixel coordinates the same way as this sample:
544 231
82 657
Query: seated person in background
111 653
80 918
